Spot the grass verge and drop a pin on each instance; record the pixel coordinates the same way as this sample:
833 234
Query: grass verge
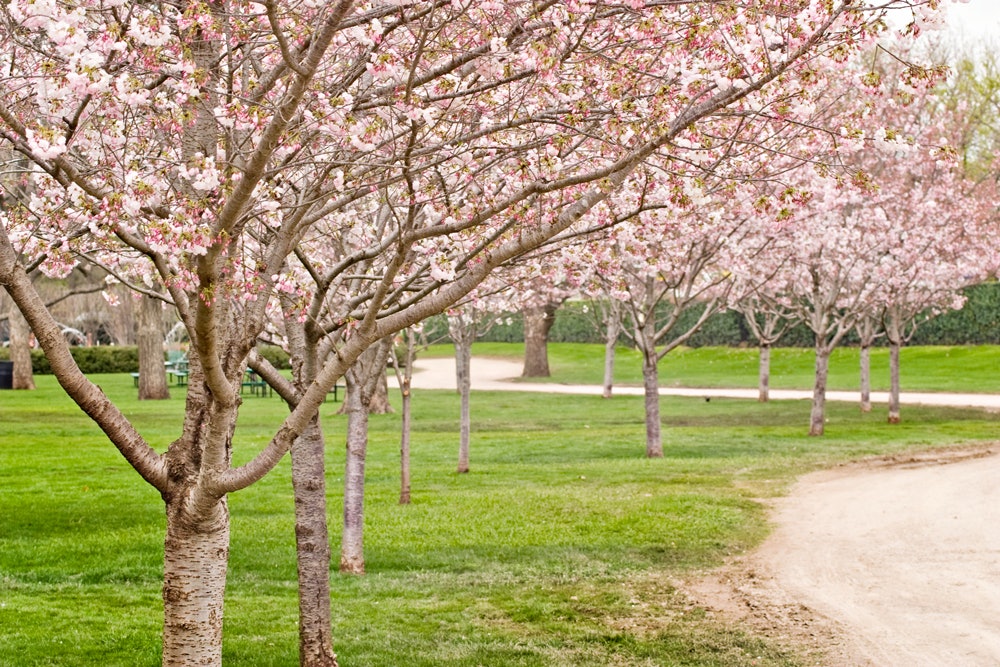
927 368
561 547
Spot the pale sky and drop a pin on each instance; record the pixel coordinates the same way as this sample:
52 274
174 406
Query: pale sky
976 19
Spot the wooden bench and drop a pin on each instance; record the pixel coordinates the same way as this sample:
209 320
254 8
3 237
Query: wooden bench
256 384
180 377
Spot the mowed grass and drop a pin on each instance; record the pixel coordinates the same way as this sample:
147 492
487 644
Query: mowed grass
926 368
561 547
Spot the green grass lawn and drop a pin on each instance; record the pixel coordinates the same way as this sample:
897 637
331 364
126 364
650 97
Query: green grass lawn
559 548
930 368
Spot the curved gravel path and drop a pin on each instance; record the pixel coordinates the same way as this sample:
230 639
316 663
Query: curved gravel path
905 559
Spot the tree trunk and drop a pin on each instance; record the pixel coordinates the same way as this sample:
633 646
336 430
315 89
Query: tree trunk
894 410
352 558
613 322
404 375
817 417
651 384
764 374
379 405
463 378
866 378
404 445
196 554
20 351
312 548
537 323
362 380
149 339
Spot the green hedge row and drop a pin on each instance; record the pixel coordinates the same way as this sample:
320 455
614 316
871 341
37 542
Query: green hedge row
978 323
101 359
119 359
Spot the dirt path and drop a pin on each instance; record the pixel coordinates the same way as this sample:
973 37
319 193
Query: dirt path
497 375
884 563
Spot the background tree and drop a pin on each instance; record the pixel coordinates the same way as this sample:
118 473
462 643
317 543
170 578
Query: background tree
149 339
768 320
363 379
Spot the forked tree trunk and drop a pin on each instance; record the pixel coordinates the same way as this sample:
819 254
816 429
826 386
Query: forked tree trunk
352 557
149 341
20 351
764 374
894 409
196 555
312 548
537 323
651 385
817 416
379 404
866 378
463 379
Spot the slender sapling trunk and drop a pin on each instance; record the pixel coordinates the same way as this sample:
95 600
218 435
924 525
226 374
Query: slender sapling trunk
463 377
352 558
866 378
894 409
817 417
651 385
764 374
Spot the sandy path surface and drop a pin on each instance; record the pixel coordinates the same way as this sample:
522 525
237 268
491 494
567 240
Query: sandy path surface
905 558
885 563
498 375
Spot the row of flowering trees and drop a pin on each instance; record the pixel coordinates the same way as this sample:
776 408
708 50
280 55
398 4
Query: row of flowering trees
328 174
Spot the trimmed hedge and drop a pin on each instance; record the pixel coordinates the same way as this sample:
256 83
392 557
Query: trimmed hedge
978 323
100 359
121 358
274 354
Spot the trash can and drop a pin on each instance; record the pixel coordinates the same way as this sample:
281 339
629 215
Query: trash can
6 374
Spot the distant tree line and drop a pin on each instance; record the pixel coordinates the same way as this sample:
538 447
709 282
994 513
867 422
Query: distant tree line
977 323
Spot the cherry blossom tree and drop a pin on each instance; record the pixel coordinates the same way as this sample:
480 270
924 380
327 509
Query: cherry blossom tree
668 260
213 149
869 329
768 320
